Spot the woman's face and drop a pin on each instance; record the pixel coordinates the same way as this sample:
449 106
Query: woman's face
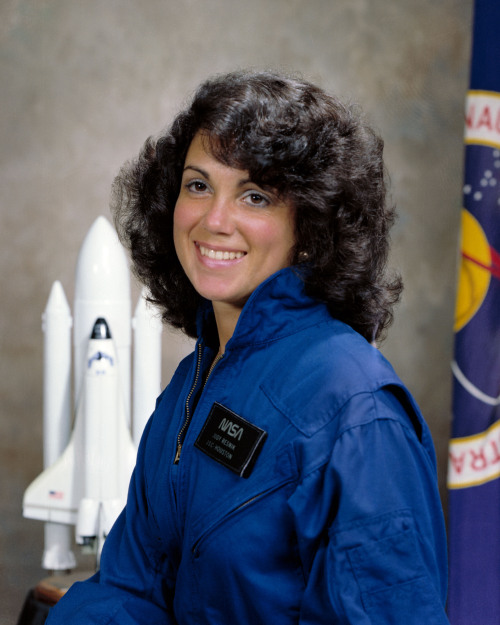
229 234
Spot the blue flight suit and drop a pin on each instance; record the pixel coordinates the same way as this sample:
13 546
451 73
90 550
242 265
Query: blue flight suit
305 492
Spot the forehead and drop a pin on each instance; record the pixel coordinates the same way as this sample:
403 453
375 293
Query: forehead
200 146
200 154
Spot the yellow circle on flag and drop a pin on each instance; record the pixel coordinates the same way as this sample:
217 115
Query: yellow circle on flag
475 273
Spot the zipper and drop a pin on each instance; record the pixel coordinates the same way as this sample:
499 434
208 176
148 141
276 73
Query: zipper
187 420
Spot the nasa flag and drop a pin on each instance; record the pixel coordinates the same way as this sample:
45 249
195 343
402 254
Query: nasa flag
474 453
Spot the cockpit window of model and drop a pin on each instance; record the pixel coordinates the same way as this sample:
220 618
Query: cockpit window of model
286 474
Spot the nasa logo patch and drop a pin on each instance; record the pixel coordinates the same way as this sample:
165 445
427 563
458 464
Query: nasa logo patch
231 440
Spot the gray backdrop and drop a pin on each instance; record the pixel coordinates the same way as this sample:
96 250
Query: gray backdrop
83 84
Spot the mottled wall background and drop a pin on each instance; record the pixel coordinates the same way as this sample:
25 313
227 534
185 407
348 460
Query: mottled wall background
82 85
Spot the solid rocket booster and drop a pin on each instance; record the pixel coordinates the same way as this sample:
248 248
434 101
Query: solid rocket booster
56 325
102 289
147 364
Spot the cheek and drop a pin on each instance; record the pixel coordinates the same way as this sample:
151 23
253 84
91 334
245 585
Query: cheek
278 240
181 218
180 229
184 221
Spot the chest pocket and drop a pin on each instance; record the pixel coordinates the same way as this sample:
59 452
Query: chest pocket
307 409
227 496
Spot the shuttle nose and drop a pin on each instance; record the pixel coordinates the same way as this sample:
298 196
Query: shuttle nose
100 329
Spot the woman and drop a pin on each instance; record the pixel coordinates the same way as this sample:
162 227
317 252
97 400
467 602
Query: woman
286 475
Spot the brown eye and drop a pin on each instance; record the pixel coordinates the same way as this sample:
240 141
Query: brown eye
198 186
254 198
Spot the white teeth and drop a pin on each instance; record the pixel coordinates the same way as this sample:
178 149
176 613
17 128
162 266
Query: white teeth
219 254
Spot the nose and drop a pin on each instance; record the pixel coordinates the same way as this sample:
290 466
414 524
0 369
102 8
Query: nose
219 216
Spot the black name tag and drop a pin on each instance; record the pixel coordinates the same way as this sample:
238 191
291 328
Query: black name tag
231 440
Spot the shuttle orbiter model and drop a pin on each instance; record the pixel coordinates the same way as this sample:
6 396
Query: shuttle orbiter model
86 475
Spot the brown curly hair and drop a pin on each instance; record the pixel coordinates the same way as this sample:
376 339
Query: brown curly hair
311 148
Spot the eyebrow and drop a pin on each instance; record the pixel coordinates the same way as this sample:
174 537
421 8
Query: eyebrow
206 175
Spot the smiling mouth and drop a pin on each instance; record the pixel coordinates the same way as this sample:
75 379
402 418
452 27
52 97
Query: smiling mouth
219 254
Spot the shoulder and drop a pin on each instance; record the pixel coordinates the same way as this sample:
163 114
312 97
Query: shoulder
324 368
334 381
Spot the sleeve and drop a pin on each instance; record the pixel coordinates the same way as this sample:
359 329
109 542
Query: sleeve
370 524
135 581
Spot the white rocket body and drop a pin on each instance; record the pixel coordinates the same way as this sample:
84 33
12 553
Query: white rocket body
147 364
56 325
102 289
108 454
85 480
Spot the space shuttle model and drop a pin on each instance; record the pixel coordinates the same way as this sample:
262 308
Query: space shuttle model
87 468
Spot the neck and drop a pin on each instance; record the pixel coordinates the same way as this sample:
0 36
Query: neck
226 318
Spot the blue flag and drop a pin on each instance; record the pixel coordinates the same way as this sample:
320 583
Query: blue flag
474 453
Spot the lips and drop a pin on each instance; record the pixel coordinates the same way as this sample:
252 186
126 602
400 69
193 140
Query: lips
219 254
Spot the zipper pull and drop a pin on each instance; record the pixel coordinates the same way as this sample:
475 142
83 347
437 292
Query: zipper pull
178 454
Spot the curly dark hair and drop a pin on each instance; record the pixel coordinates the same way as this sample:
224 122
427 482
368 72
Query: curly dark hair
314 151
